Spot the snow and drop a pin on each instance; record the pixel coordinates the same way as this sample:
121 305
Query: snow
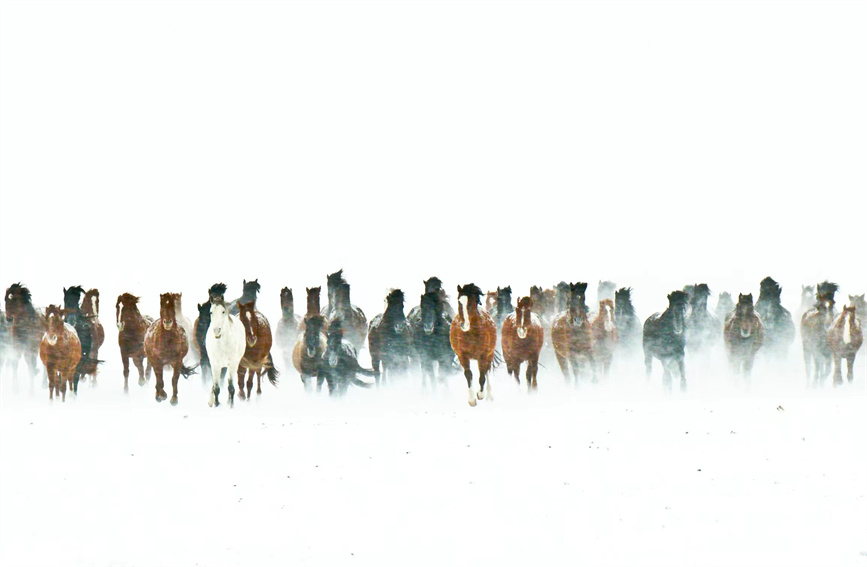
611 474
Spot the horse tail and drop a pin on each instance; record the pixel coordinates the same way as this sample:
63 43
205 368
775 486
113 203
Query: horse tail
361 383
497 360
186 371
88 366
271 370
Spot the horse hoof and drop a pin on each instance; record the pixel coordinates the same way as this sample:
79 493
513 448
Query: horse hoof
158 398
480 395
472 403
141 381
174 400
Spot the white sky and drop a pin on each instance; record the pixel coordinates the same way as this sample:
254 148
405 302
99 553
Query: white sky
155 146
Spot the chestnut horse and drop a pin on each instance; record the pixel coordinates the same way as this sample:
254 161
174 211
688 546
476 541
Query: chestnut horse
605 336
60 351
309 348
25 332
257 357
664 338
744 335
522 337
90 312
131 329
473 336
287 326
815 324
572 335
389 338
844 340
166 344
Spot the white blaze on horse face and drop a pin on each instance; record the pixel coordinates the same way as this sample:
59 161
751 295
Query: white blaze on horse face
609 319
522 316
847 330
120 318
93 303
465 316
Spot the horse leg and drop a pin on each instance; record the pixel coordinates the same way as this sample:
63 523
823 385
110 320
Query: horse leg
51 382
12 364
250 372
648 363
838 369
176 373
468 374
259 381
161 393
375 363
681 368
850 366
125 360
576 368
564 367
62 379
139 365
214 400
241 372
147 372
229 374
33 370
484 383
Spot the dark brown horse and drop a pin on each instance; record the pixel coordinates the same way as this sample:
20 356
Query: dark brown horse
257 358
131 329
435 285
352 319
25 332
844 339
744 335
309 348
166 344
605 335
473 336
815 324
90 312
287 327
60 352
522 337
389 338
572 335
313 308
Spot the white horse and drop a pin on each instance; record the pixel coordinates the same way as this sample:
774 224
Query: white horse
226 344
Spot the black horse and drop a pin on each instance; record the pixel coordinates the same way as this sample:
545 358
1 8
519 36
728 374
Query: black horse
430 324
778 324
389 338
626 320
435 285
251 291
87 365
334 282
339 367
503 308
665 339
703 330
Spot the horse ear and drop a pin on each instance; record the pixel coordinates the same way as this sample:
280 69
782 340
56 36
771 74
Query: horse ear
245 282
460 290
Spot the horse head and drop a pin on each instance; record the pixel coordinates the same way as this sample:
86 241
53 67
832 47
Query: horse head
433 285
677 304
251 289
826 289
858 302
17 296
313 300
312 329
623 302
431 311
168 311
217 292
698 299
745 314
504 301
53 323
394 305
287 302
248 317
825 306
124 309
72 298
90 305
606 312
523 315
218 316
334 281
490 301
469 294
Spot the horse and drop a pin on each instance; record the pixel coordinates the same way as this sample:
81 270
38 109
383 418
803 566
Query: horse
703 330
251 291
131 329
339 366
166 344
257 357
313 309
815 324
351 318
523 336
5 340
333 282
226 345
626 320
435 285
859 303
724 306
605 336
90 312
808 300
543 303
744 335
87 365
200 335
473 335
844 339
503 305
389 338
561 296
605 290
287 327
60 351
664 339
779 327
430 324
309 348
25 332
192 357
490 301
572 335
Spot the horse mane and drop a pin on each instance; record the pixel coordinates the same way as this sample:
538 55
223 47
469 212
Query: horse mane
678 297
217 289
471 290
21 289
701 289
128 297
580 287
624 292
394 296
336 278
826 288
768 289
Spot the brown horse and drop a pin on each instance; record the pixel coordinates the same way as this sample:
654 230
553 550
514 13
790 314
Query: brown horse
313 309
166 344
309 348
572 335
522 337
815 324
257 358
352 318
605 335
744 335
490 301
60 351
131 329
473 336
90 312
287 327
844 340
25 333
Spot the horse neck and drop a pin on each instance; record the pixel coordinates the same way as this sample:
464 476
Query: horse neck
26 313
394 313
289 312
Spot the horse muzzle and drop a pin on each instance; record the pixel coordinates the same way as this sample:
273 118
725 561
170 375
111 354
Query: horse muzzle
167 325
746 332
120 326
218 333
52 340
311 352
428 328
252 342
522 333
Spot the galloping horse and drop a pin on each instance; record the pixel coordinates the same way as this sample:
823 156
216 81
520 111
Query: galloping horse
257 358
192 357
226 346
605 336
724 306
25 332
339 366
251 291
808 300
503 306
216 294
605 290
131 329
844 339
351 318
430 324
90 312
87 365
287 327
523 336
166 344
572 335
389 338
779 327
744 334
435 285
664 339
60 351
626 320
473 335
815 324
309 348
703 330
561 297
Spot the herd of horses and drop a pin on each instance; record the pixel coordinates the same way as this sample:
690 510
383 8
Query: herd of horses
233 339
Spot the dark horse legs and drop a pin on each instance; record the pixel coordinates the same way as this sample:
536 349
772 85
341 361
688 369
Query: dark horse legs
176 373
160 386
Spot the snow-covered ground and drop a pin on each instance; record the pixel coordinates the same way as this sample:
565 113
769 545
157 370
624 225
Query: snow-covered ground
610 474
